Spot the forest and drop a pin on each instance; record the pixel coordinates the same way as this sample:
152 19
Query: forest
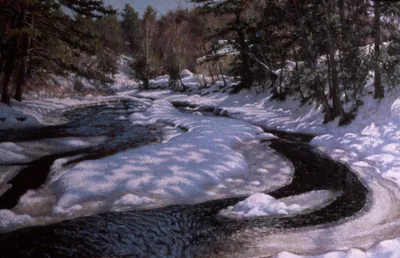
332 47
233 128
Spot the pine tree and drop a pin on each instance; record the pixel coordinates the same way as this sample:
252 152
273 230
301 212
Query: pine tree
30 25
109 43
130 25
236 31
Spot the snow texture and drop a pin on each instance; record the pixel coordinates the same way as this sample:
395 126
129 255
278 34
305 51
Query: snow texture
185 169
259 204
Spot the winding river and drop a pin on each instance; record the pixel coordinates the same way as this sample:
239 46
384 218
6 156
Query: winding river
190 230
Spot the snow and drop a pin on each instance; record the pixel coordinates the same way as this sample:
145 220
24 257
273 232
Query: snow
370 145
259 204
374 136
181 169
184 168
186 73
388 248
9 153
123 80
10 219
224 49
11 118
132 200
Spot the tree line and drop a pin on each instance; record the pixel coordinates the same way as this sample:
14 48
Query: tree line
40 37
59 37
165 44
335 46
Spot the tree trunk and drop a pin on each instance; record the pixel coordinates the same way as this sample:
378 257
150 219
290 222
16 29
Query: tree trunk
342 19
8 70
221 72
337 108
23 67
202 72
297 79
22 73
281 73
146 82
245 72
211 73
379 91
322 97
329 81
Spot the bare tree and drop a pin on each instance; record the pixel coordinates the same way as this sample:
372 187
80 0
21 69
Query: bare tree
145 60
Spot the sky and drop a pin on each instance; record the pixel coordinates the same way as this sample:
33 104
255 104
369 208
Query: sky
162 6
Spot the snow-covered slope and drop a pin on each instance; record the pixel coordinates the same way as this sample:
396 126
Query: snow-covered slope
370 143
185 169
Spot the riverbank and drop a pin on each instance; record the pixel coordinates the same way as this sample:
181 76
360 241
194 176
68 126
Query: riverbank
369 146
370 143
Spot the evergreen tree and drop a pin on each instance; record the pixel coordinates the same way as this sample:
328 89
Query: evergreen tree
30 25
109 43
130 25
236 31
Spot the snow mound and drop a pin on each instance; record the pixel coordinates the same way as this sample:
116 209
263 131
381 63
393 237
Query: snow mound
9 153
161 82
395 109
132 200
9 219
259 204
11 146
11 118
186 73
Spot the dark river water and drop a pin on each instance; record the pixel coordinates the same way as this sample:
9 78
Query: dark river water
173 231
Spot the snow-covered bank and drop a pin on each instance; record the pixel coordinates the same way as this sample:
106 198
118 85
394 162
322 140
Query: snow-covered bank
374 136
11 118
204 163
214 159
370 145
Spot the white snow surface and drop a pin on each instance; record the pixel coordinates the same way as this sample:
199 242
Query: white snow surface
123 80
191 167
370 145
259 204
214 159
185 169
10 153
11 118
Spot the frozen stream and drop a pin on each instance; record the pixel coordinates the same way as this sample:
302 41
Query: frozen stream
349 218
